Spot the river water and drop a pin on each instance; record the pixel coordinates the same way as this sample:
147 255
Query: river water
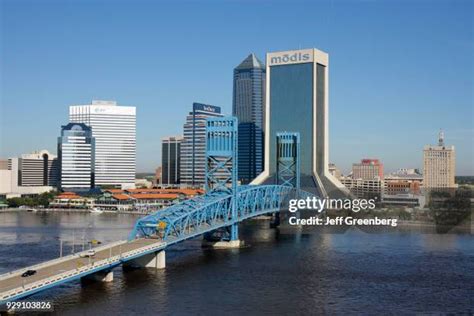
282 272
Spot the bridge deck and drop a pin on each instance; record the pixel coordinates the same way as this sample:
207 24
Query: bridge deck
64 269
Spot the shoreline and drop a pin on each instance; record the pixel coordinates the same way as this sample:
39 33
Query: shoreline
71 210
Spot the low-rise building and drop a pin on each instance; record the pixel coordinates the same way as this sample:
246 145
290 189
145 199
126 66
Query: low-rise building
143 199
404 200
72 200
29 174
360 188
114 200
143 183
403 187
394 187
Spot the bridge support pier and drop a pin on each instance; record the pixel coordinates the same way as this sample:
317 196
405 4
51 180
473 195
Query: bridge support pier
101 276
155 260
275 221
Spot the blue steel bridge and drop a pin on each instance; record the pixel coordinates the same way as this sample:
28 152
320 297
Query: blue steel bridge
215 215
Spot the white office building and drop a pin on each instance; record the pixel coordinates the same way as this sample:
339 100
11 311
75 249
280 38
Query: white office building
114 130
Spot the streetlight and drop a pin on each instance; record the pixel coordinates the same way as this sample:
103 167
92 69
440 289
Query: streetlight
73 241
60 246
83 238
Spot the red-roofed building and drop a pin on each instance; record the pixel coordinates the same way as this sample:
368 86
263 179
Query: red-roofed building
143 199
114 191
71 200
121 197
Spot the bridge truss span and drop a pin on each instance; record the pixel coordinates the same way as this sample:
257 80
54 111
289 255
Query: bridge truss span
209 212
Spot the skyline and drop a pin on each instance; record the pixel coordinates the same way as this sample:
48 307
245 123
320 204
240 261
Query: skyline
371 114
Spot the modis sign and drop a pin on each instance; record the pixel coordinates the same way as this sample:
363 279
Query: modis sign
290 57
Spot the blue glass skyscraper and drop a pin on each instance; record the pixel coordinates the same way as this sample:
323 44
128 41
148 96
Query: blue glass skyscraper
248 107
296 100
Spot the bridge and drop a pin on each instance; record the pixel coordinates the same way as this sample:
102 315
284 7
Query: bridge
214 215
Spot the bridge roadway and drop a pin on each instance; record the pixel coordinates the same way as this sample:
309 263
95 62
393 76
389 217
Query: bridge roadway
68 268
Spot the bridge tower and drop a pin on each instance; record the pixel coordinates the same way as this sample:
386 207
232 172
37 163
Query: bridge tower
222 167
288 159
287 164
221 155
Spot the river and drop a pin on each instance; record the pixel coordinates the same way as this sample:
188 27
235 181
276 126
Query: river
283 271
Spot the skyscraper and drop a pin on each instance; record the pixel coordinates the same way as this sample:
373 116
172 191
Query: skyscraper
297 101
170 160
247 106
439 165
114 130
76 156
193 147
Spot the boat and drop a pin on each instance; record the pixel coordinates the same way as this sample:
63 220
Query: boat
96 210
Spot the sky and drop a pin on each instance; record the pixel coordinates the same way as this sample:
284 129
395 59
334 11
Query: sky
398 70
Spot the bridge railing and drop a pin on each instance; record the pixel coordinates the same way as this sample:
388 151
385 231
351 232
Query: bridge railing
56 261
94 266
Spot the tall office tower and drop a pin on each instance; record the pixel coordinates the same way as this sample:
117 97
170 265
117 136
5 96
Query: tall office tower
193 146
170 160
297 101
114 130
39 168
76 157
368 169
247 106
439 165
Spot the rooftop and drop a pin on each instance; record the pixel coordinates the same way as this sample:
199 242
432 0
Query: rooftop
154 196
103 102
250 62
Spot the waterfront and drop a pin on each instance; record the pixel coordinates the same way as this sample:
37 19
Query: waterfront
400 271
